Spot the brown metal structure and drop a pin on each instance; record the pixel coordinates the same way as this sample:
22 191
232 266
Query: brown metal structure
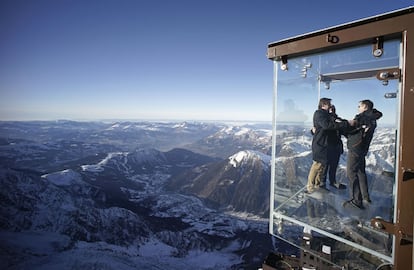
398 24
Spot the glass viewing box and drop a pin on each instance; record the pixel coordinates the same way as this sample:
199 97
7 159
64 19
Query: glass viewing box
367 59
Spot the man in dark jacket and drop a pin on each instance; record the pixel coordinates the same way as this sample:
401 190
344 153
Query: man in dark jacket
335 150
323 123
359 139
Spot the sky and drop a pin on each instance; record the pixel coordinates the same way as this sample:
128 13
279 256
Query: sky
153 59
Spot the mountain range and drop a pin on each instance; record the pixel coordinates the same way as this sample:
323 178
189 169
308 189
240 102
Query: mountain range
72 188
147 195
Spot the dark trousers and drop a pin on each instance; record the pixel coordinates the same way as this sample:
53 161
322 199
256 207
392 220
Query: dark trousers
355 169
330 169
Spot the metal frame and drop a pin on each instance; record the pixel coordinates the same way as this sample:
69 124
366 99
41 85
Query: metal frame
396 24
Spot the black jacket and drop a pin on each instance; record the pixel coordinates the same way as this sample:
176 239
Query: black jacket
325 124
360 135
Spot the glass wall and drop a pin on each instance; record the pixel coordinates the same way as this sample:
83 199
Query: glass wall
320 222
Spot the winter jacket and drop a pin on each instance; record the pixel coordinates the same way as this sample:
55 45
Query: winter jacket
326 125
360 135
334 141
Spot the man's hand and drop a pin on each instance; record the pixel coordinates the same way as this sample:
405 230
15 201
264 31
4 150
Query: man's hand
352 122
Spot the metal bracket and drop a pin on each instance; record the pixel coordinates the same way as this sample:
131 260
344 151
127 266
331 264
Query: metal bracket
391 228
388 74
378 47
284 65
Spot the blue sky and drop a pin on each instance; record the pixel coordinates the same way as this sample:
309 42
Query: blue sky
152 59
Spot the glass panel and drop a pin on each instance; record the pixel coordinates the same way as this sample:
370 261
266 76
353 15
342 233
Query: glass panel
345 229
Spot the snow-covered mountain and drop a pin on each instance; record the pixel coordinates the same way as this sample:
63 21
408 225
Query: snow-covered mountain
52 145
231 139
109 210
141 195
239 183
66 216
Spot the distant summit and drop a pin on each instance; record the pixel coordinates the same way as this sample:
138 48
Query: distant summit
247 156
232 139
239 183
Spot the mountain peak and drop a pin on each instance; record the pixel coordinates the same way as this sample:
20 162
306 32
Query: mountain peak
248 155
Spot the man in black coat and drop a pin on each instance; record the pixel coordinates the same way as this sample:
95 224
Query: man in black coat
359 140
323 123
335 150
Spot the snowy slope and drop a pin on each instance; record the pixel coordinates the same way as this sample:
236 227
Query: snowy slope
93 195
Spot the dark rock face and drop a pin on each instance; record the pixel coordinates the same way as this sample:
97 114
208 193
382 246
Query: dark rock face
240 183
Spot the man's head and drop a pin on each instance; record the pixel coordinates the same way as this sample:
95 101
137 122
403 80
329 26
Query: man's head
324 103
365 105
332 109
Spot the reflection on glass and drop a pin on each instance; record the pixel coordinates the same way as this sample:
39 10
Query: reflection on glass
346 230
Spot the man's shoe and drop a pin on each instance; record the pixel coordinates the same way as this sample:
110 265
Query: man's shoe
338 186
368 200
357 205
323 187
353 204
